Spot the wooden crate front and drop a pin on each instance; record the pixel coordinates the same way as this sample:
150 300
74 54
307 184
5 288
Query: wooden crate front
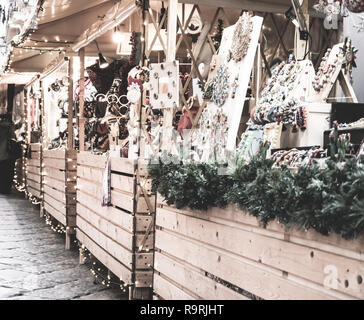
120 236
225 254
59 185
33 170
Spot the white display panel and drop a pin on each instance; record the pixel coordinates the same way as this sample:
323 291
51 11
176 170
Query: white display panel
233 107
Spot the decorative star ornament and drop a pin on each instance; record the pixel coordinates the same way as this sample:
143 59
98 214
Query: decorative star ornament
349 52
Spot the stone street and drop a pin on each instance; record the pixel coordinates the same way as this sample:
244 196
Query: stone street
34 264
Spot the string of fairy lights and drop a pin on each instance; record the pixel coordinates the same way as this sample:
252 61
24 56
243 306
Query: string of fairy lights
99 271
19 44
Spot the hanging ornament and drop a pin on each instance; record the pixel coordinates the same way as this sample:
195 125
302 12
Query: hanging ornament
349 52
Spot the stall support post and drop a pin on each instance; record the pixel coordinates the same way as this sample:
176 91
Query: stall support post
81 122
42 145
302 46
70 105
171 55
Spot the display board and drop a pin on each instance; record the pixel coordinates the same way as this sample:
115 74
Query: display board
234 107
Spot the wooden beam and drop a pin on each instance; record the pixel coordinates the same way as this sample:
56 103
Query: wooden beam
302 46
279 6
70 104
81 126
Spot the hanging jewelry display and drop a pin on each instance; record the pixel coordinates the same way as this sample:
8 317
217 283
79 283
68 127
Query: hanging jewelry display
221 86
242 37
211 138
326 70
164 86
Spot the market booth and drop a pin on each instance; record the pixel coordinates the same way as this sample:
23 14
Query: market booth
226 253
210 82
115 207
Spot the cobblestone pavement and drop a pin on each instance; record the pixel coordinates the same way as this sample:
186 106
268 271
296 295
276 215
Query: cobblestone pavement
34 264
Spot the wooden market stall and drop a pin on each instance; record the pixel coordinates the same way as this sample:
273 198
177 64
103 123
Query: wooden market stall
120 235
103 195
225 254
58 155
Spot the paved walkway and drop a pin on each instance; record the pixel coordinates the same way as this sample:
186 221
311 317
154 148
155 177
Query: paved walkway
33 262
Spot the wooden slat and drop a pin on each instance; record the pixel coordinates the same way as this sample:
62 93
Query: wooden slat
116 233
55 184
55 213
55 174
117 217
34 185
34 192
57 205
33 169
168 291
299 260
123 183
56 194
241 219
253 277
54 154
112 247
34 177
54 163
125 201
87 159
194 281
33 162
122 165
110 262
91 174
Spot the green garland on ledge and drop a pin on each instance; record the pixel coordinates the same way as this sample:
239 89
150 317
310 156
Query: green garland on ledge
328 201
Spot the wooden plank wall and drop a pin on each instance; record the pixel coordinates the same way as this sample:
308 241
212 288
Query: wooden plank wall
116 235
203 255
33 170
59 185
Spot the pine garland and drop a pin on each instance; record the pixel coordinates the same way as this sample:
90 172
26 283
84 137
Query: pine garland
328 201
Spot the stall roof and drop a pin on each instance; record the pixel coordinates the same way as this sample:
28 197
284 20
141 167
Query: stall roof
66 25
